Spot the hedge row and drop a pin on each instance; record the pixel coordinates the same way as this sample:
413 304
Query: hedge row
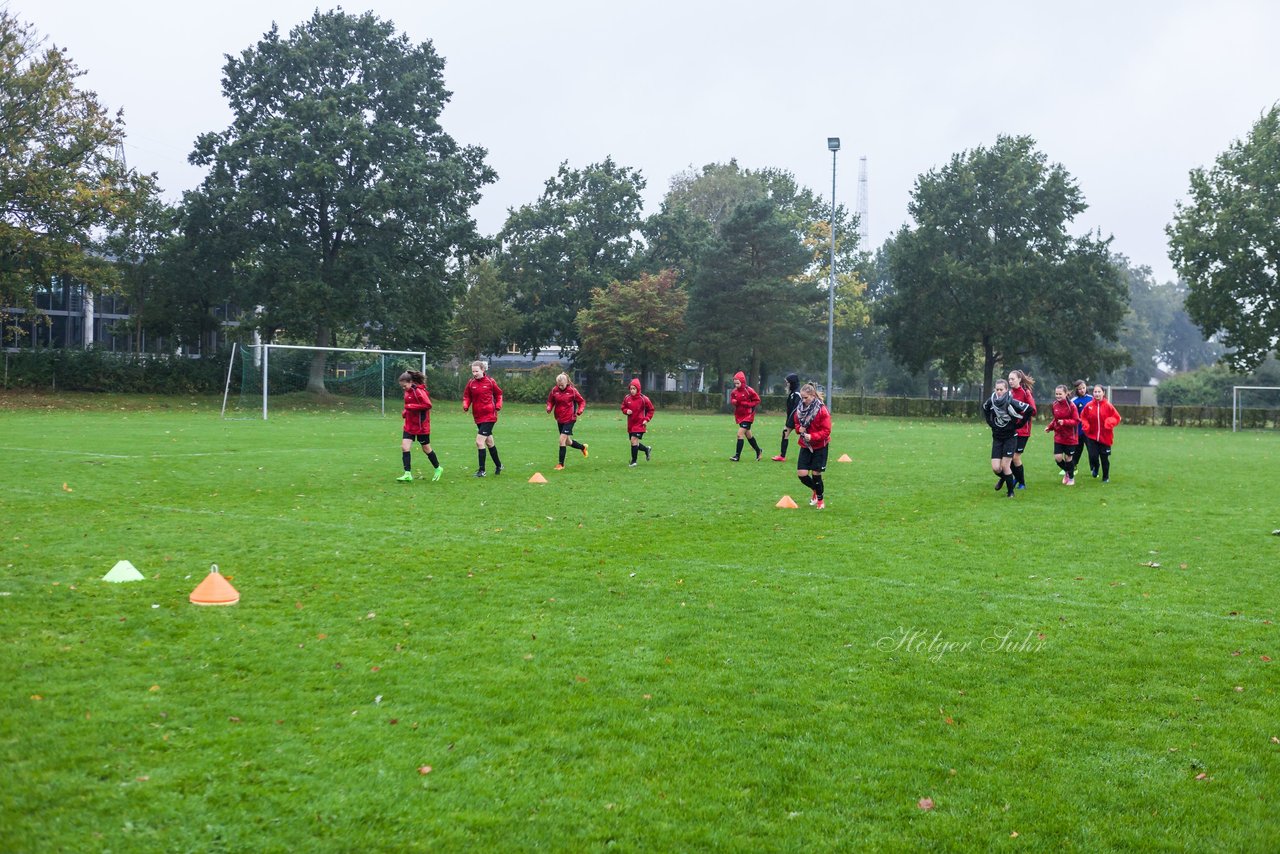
99 370
102 370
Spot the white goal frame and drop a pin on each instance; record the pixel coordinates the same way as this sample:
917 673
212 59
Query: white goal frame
263 352
1235 401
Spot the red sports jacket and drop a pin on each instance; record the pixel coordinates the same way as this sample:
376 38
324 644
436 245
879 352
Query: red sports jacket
819 428
1026 397
417 411
1065 423
744 400
641 410
567 402
483 398
1100 418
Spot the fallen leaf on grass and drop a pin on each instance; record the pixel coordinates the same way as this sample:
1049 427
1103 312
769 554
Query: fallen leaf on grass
1151 563
154 688
1265 657
66 488
234 719
946 719
580 678
1275 739
1201 776
144 778
1239 688
925 803
1013 835
36 697
424 770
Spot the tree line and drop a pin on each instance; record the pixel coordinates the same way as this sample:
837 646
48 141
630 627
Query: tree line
336 211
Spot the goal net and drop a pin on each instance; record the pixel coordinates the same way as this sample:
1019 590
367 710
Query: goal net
266 377
1255 407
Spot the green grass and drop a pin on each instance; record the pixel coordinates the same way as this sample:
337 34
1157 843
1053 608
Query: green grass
649 659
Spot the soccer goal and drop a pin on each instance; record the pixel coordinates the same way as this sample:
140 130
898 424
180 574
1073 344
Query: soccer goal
1255 407
280 376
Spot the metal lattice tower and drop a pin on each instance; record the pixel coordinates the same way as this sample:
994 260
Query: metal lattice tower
864 230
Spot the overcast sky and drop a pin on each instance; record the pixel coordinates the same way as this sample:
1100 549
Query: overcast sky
1127 96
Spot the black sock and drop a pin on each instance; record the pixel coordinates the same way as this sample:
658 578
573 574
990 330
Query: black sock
576 445
1009 482
783 452
1071 468
493 452
480 456
738 452
1019 474
1106 465
562 455
435 461
754 445
635 449
407 457
817 485
644 448
808 481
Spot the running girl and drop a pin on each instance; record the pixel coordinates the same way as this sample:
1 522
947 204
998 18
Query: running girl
1099 420
639 412
1020 386
1065 426
568 404
812 423
484 398
417 424
793 400
1004 415
745 400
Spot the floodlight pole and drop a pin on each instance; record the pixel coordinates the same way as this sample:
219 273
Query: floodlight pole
833 145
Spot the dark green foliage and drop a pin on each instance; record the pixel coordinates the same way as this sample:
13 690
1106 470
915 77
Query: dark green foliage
579 235
1225 241
335 199
989 274
103 371
746 301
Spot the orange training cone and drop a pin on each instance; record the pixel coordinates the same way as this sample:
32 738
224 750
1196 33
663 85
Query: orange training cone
845 458
537 478
214 590
787 503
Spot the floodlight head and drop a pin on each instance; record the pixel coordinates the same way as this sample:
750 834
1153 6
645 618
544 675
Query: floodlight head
833 143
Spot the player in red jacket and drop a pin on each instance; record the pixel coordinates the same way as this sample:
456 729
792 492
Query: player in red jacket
417 424
568 404
744 400
1021 384
484 398
1064 423
812 423
639 412
1099 419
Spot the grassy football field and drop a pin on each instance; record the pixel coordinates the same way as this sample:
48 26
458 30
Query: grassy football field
651 658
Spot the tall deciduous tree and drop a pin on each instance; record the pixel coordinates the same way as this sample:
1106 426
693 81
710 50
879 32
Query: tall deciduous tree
579 235
485 321
1225 241
637 323
351 203
749 298
61 184
990 275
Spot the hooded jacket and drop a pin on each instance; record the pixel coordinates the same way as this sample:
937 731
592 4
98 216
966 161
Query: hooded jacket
484 398
793 395
1065 423
744 399
417 411
1099 419
567 402
641 409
